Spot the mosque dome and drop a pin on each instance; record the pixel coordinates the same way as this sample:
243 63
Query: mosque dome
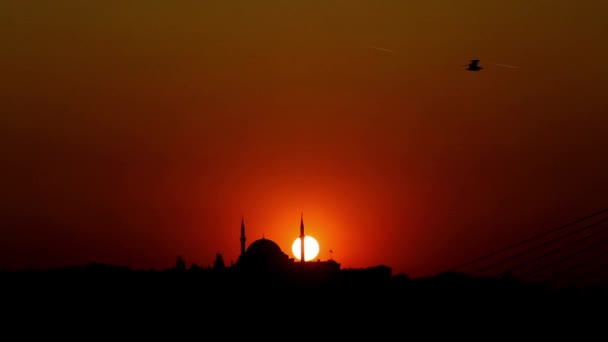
263 253
264 247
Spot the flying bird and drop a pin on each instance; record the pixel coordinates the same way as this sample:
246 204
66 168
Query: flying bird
474 65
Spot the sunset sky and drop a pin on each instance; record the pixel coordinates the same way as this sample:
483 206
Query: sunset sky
136 131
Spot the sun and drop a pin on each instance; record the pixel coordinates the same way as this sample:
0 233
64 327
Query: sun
311 248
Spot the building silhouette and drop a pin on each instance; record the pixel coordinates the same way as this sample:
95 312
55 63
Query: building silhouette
266 256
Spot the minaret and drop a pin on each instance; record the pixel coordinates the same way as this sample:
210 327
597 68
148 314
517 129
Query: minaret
302 238
243 238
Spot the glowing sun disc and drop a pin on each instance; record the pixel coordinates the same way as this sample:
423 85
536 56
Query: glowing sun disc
311 248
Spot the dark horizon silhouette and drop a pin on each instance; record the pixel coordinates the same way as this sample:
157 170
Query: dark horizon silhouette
348 302
365 299
561 249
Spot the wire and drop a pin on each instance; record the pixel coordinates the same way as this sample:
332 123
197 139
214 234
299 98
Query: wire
527 240
541 245
558 249
565 258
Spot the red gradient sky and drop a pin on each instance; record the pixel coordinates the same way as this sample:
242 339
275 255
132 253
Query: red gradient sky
133 132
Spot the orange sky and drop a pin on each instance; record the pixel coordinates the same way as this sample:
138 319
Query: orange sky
133 133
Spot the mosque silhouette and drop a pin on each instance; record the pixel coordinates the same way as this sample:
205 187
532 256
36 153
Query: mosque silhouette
265 256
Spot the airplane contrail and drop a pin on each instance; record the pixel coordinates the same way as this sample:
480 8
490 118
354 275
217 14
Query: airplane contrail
380 49
507 66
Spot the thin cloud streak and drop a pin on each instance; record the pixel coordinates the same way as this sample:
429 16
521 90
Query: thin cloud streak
380 49
507 66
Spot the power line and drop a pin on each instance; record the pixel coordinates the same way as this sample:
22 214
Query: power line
528 240
565 258
558 249
541 245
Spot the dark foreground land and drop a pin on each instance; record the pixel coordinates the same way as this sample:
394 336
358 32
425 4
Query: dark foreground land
265 306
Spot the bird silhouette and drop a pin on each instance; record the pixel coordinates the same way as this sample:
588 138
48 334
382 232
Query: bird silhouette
474 65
